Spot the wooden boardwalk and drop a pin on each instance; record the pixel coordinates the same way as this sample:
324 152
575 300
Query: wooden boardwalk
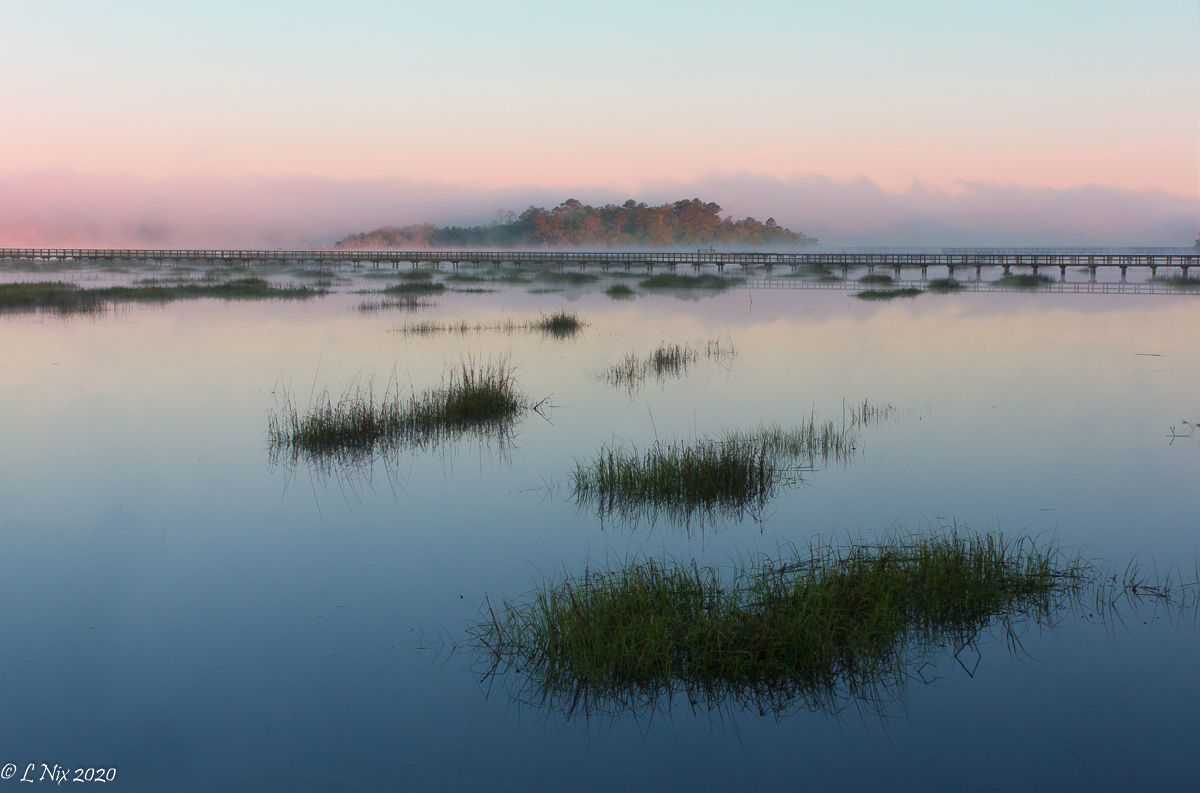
950 258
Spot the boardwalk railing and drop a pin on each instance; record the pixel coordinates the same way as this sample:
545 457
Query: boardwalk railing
951 258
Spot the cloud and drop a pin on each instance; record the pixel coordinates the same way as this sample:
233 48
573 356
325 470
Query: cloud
859 212
71 209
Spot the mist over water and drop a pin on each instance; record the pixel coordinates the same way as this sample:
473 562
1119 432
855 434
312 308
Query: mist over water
70 209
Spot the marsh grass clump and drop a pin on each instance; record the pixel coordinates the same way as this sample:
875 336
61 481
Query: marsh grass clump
821 630
676 281
865 414
668 361
1023 281
705 481
887 294
1179 281
402 303
479 400
619 292
944 285
55 296
561 324
685 481
877 278
66 298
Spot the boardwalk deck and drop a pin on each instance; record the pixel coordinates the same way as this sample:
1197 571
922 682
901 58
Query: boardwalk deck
950 258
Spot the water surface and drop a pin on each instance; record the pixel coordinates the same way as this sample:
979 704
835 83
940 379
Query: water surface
178 607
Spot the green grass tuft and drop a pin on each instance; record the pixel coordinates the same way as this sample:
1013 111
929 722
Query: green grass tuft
403 303
619 292
479 400
668 361
65 298
944 285
822 630
1179 281
561 324
1023 281
876 278
887 294
709 480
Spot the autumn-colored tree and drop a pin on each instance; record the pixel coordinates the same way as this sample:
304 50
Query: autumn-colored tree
573 224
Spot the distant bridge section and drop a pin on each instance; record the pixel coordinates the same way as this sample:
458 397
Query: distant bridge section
951 258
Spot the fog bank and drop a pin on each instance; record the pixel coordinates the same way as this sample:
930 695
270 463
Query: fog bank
70 209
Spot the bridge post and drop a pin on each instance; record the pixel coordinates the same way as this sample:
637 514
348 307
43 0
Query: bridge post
979 272
1185 269
1092 269
1035 269
1062 272
845 271
898 272
1154 271
1123 269
949 270
1007 270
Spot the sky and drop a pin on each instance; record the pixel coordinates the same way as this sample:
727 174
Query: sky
128 122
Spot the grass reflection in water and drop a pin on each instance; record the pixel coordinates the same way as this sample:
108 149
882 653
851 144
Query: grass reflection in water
666 362
480 401
823 630
709 480
67 298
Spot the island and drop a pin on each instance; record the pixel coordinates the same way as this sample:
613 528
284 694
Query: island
573 224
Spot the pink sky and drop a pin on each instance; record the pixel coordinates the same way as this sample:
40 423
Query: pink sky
129 121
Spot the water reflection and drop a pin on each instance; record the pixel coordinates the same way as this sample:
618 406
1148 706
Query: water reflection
707 481
826 630
667 362
477 402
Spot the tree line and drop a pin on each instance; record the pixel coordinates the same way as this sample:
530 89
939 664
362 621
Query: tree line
572 224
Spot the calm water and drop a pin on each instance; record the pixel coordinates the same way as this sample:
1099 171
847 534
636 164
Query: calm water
176 606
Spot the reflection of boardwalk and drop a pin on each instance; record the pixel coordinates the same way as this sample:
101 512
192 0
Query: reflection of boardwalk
1070 287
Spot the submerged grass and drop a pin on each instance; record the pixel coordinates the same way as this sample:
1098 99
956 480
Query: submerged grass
64 298
1023 281
675 281
944 285
876 278
481 400
825 629
1179 281
668 361
887 294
